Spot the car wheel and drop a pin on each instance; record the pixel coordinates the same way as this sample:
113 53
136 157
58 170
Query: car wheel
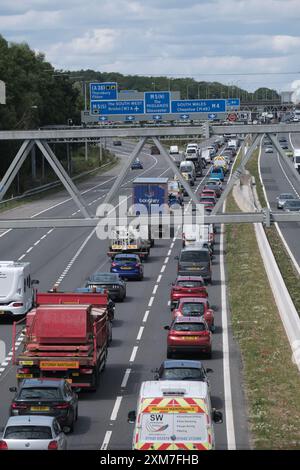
212 328
76 416
209 354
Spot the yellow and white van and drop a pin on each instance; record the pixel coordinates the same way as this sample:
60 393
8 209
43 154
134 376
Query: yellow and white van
174 415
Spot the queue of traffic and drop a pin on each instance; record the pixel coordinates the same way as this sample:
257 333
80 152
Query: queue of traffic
174 410
67 336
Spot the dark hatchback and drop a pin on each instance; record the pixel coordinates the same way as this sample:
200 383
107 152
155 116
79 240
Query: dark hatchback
186 369
46 397
110 281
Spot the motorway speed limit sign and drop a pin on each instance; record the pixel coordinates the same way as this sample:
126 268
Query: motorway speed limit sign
232 117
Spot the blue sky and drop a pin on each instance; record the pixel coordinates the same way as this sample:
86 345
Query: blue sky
164 37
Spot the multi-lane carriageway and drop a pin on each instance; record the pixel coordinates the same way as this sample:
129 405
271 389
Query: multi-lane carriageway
68 257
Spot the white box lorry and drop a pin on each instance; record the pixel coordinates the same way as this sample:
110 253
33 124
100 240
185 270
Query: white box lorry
296 159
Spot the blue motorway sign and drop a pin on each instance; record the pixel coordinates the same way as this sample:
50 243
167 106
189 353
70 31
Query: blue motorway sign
127 107
198 106
185 117
233 102
129 118
157 102
103 91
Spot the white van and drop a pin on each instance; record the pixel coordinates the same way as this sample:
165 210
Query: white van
16 291
174 415
188 167
174 150
194 233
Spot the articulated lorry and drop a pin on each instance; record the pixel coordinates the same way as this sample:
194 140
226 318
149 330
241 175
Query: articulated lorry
66 336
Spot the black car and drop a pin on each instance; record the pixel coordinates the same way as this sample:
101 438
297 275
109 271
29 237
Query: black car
282 139
110 281
46 397
117 143
154 150
284 145
173 369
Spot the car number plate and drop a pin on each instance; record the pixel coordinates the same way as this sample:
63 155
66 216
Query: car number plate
39 408
190 338
194 268
2 312
125 267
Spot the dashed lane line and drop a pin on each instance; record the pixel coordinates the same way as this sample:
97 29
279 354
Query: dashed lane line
133 354
125 378
116 409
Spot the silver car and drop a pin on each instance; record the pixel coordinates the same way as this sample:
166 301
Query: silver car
292 206
33 433
282 198
269 150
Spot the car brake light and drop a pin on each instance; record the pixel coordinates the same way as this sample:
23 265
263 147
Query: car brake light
113 264
205 333
86 371
53 445
3 445
62 406
24 371
17 304
138 265
18 406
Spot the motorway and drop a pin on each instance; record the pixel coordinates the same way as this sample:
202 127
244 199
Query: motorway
67 257
278 178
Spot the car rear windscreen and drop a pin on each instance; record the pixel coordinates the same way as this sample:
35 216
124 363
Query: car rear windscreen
28 432
190 284
201 256
42 393
189 327
183 373
189 309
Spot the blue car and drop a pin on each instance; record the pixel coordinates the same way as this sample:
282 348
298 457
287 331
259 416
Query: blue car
128 266
137 165
216 173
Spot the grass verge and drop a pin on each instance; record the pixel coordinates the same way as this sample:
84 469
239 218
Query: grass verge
272 382
286 267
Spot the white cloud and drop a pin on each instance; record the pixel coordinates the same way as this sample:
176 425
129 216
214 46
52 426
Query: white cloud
161 36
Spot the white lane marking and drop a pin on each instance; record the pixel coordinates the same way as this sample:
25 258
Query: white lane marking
37 242
146 316
106 440
230 431
116 409
155 289
44 236
133 354
169 252
138 338
29 249
158 279
21 257
125 378
163 268
151 302
4 233
169 303
166 260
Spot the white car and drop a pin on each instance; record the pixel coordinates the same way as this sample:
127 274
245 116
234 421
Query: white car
33 433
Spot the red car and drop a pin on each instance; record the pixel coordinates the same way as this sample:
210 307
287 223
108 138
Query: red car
189 335
187 286
209 193
195 307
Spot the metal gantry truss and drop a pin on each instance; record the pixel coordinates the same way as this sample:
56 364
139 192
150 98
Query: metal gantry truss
40 138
